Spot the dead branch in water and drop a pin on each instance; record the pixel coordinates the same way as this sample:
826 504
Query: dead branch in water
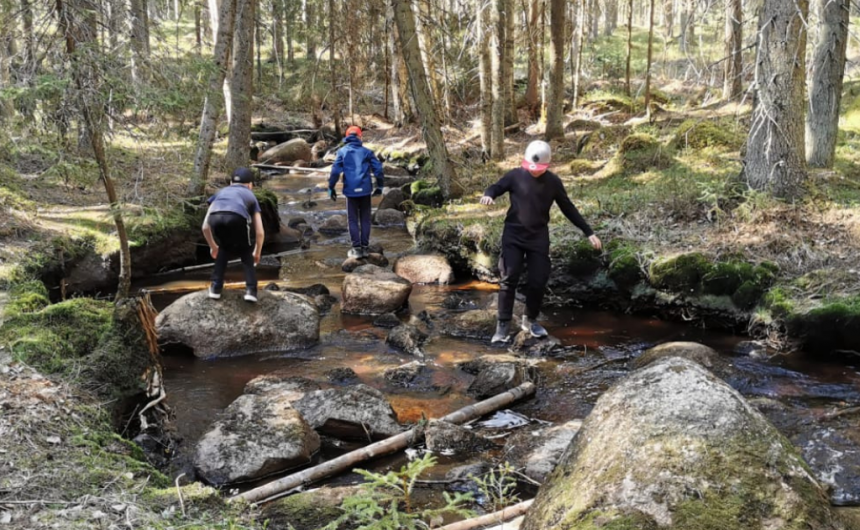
501 516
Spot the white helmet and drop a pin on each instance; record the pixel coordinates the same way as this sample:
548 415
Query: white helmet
538 156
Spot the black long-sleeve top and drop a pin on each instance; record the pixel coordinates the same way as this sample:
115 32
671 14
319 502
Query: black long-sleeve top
531 200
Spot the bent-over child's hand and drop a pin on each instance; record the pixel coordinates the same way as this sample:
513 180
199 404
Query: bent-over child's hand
486 200
257 255
213 251
595 242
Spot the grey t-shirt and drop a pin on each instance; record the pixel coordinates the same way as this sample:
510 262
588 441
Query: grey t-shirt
235 199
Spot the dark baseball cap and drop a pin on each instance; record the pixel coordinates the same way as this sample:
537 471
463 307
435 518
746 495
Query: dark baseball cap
242 175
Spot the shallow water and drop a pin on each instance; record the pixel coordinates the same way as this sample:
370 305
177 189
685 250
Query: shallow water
599 346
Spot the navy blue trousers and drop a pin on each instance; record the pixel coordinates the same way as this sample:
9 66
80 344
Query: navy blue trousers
358 215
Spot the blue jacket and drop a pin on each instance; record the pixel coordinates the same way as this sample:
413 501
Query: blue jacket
356 162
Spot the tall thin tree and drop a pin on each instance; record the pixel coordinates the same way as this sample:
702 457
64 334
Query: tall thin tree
629 48
825 82
214 103
732 82
441 164
485 76
497 50
555 105
241 86
649 61
77 22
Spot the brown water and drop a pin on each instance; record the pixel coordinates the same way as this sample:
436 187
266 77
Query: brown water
569 384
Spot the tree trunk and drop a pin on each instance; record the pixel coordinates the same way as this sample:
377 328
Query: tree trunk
629 48
198 28
555 105
441 163
310 21
214 102
76 20
486 76
825 82
497 50
241 86
594 18
335 98
732 82
427 46
669 18
394 65
278 33
775 159
610 17
139 40
532 36
649 60
580 42
509 56
6 39
688 26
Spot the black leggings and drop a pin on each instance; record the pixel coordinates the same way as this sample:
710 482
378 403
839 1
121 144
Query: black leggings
535 254
233 234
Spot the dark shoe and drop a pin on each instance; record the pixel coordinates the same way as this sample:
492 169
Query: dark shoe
250 294
354 252
533 328
501 334
215 292
365 252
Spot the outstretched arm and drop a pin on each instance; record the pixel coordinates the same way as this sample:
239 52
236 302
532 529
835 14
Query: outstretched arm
572 213
260 235
499 188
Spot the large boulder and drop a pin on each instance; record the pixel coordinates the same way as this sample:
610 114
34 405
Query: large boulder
258 435
674 447
688 350
407 338
372 290
287 152
392 199
429 268
279 321
335 225
356 412
389 217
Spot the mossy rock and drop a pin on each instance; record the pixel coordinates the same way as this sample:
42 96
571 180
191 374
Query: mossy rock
426 194
581 166
832 326
700 134
584 259
602 143
309 510
679 274
624 266
642 152
672 446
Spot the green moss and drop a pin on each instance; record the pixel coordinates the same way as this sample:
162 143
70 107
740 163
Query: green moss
624 267
602 143
611 520
700 134
679 274
642 152
304 511
584 259
779 302
724 278
580 166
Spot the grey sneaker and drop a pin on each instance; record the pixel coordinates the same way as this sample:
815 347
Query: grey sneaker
365 252
533 328
501 334
250 294
215 292
354 252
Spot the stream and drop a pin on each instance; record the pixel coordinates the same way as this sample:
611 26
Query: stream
796 392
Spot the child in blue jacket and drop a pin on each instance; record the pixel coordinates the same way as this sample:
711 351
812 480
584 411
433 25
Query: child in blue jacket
356 162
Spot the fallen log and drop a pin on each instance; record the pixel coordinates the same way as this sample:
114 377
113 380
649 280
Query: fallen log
397 442
324 170
231 262
501 516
